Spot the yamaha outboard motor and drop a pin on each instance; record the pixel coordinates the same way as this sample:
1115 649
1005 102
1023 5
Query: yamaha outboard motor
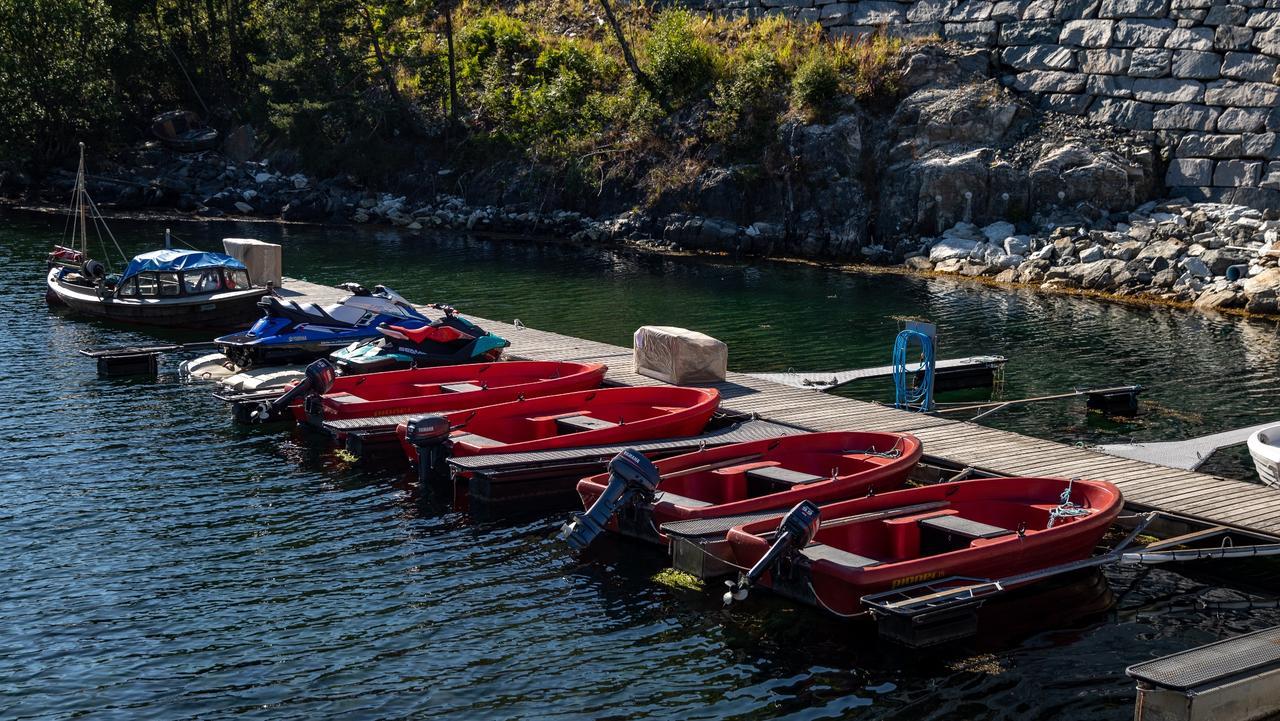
795 532
632 477
316 378
429 434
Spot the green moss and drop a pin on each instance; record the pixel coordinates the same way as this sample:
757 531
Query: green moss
672 578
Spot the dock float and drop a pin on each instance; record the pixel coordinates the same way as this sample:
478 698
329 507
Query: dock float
1236 678
1203 498
949 374
1189 454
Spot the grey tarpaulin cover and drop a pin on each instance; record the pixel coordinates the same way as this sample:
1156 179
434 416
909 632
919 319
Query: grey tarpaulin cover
262 259
679 356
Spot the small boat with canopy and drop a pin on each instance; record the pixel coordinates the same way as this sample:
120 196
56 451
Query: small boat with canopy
168 287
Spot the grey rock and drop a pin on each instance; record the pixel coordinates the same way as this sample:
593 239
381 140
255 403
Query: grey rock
1049 81
1218 260
1268 41
1261 145
1105 62
1091 254
983 33
1196 64
1149 63
1066 103
918 263
1074 9
1039 57
1235 173
1169 250
929 10
1232 37
1036 9
1189 171
1248 66
1029 32
969 10
876 12
1201 145
1133 8
1272 179
1125 113
1111 86
1087 33
1242 120
1125 250
951 248
1262 291
1226 14
1142 33
1190 39
998 231
1070 173
1232 93
1168 90
1005 10
1195 267
1164 278
1018 245
1185 116
1261 19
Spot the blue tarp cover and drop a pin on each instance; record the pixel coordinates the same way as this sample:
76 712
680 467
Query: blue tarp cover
172 260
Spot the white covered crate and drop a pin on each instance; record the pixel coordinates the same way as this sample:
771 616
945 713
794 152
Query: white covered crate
264 260
679 356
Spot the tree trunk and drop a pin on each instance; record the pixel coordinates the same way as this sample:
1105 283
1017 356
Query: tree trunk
453 68
387 77
641 76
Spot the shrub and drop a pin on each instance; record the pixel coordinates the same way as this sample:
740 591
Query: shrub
816 84
875 71
680 63
748 101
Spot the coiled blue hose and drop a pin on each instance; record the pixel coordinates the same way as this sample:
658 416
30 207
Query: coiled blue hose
920 397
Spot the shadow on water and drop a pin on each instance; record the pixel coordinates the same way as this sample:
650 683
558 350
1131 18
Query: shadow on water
162 562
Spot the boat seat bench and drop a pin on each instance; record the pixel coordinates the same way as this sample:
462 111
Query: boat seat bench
475 440
954 525
678 500
781 476
459 388
823 552
576 424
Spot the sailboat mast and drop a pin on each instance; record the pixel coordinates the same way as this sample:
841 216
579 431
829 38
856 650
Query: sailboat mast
80 201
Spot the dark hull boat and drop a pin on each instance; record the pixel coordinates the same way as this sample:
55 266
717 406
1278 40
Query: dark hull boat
444 389
773 474
986 529
164 288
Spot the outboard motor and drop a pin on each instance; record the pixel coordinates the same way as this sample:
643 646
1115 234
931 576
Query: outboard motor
316 378
428 434
631 477
795 532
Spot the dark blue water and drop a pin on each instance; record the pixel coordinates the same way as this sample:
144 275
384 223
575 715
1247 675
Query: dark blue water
163 563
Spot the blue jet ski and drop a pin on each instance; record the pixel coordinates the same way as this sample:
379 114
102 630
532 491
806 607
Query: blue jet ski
450 340
293 332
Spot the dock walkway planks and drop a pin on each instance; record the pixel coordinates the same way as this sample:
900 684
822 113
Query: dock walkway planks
1211 499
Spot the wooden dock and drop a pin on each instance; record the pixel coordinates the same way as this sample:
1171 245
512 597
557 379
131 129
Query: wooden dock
1210 499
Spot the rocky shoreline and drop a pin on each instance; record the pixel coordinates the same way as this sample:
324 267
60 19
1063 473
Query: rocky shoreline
1212 256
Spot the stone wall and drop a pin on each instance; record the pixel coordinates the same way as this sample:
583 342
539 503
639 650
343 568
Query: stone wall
1200 75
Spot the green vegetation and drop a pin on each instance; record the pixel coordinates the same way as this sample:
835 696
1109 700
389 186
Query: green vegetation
364 87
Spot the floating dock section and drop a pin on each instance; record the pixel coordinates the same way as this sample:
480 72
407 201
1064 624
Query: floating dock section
1208 499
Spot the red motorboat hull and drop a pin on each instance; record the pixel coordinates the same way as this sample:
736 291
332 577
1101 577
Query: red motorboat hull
843 465
622 415
894 544
442 389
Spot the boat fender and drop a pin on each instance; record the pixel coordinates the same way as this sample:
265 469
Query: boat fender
428 434
93 269
795 532
316 378
632 477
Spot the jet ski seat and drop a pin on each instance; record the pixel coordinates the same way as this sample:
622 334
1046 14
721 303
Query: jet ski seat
432 332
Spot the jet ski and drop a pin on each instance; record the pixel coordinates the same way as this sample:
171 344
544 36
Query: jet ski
449 340
293 332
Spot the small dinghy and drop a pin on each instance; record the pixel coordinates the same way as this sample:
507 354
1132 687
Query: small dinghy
585 418
832 556
1264 447
744 478
444 389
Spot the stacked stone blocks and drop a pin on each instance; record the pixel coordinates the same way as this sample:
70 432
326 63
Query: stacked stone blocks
1202 75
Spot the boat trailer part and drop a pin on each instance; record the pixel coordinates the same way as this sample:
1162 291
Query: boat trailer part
797 529
632 477
316 378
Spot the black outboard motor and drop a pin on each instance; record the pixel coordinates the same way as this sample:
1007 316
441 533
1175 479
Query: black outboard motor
428 434
794 533
316 378
631 477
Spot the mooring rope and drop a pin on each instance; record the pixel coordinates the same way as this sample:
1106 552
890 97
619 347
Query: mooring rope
922 395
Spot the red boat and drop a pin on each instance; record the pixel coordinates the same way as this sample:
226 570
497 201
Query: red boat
988 528
446 388
585 418
772 474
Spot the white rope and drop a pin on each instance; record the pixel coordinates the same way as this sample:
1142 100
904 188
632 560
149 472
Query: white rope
1066 509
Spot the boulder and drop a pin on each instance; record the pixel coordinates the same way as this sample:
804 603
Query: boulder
949 248
998 231
1169 250
1261 291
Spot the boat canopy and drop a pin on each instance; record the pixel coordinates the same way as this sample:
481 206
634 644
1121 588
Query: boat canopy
174 260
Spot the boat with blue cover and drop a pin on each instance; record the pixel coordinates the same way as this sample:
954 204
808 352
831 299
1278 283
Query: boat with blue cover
173 288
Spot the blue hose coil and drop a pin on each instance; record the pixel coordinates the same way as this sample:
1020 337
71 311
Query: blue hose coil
906 397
